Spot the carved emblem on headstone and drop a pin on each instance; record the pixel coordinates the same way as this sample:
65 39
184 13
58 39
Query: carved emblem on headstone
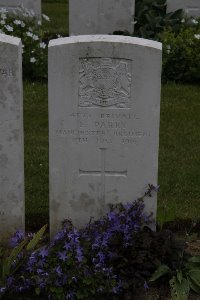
104 82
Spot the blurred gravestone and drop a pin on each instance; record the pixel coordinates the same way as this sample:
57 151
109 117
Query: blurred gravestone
11 138
100 16
104 107
33 6
191 7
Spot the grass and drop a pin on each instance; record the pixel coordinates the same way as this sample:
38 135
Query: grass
36 154
179 157
179 160
58 14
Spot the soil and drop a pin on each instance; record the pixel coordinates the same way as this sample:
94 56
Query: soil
156 294
193 247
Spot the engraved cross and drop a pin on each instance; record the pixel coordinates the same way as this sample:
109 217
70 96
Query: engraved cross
103 172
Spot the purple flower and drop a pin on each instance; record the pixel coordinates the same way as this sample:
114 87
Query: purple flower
70 295
39 271
17 238
146 287
107 271
101 257
58 271
41 263
79 254
19 289
58 237
10 280
111 216
43 252
62 255
117 289
31 262
73 236
41 283
67 246
2 290
128 206
97 243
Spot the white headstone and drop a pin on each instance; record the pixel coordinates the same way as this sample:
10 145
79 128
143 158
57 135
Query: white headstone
104 107
31 5
191 7
11 137
100 16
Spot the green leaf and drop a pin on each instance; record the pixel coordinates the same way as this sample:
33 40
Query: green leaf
12 257
35 240
191 265
37 291
193 286
194 259
179 276
162 270
194 274
179 291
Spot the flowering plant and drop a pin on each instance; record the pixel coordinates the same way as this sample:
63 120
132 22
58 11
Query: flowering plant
184 277
87 263
181 52
11 261
23 24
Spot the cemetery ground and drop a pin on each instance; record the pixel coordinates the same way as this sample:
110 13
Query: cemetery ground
179 159
58 14
178 198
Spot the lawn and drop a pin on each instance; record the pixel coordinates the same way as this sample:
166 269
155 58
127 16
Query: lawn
179 159
58 14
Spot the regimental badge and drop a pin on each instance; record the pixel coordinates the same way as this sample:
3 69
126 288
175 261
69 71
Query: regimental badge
104 82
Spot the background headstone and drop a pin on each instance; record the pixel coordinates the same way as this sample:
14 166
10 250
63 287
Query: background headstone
100 16
104 107
32 5
11 138
191 7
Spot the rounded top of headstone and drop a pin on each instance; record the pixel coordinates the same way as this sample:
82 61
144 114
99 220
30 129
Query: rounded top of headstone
4 38
106 39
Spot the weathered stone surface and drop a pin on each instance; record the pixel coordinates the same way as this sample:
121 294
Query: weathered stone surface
32 5
11 138
191 7
104 103
100 16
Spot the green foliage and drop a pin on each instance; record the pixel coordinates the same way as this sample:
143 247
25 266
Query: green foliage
35 240
183 279
30 31
59 16
179 34
11 260
179 289
7 261
161 271
151 18
181 54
